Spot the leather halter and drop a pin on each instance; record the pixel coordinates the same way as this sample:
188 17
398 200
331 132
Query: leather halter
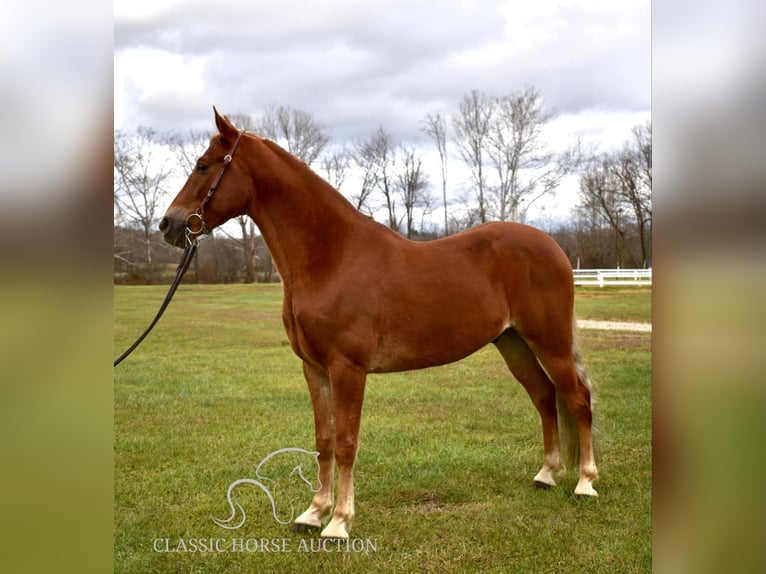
193 236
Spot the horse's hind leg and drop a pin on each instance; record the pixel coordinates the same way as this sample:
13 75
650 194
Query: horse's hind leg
525 368
572 385
320 510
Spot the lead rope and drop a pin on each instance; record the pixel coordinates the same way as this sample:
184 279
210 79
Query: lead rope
186 260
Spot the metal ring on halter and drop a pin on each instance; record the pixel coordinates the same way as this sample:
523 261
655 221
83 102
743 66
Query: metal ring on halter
191 235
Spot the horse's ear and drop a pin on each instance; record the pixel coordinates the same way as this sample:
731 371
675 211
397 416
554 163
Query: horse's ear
225 127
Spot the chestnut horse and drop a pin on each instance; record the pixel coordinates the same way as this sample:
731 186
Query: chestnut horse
359 298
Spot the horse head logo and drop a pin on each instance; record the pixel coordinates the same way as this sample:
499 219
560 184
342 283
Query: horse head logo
269 487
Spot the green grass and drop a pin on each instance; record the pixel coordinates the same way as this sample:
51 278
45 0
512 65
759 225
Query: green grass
614 303
447 455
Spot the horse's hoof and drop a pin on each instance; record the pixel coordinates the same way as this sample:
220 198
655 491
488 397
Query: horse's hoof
542 486
585 490
303 528
582 496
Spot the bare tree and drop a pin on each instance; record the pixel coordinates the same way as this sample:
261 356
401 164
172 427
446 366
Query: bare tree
245 121
436 128
295 130
632 170
369 183
336 165
617 186
643 140
464 215
472 127
642 135
187 147
376 156
411 184
140 177
525 168
599 198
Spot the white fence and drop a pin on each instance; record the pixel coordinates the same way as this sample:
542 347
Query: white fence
603 277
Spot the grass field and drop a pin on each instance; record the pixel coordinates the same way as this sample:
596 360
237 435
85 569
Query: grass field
447 456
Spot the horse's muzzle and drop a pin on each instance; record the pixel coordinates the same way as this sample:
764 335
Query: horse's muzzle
173 229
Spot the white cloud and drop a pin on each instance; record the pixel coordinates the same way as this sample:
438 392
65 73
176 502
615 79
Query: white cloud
417 56
149 77
358 65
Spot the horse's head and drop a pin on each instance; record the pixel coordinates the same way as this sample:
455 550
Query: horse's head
210 197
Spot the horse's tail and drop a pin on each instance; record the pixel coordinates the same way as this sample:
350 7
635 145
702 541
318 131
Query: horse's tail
569 435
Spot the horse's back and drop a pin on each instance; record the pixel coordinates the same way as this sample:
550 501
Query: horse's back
509 249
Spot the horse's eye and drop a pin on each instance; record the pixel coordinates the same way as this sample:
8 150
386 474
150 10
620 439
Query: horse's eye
202 168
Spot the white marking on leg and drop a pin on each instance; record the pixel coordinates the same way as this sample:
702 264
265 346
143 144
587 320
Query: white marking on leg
340 525
588 475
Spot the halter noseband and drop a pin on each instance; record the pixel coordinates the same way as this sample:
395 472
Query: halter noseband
193 236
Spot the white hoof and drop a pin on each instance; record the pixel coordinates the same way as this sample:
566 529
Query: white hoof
585 488
336 529
544 478
312 518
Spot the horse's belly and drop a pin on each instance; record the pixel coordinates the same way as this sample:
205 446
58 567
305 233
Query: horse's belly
417 345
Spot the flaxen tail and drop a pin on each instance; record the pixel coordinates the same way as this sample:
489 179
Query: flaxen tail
568 433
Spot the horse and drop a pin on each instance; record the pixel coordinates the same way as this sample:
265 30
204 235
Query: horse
359 298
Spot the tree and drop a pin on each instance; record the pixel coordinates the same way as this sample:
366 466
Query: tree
436 128
472 128
618 186
295 130
526 170
599 199
641 200
187 147
336 165
375 156
633 170
140 176
411 184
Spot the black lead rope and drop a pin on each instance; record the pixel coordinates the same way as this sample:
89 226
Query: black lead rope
186 259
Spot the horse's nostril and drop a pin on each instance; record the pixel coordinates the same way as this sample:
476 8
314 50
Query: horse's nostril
164 224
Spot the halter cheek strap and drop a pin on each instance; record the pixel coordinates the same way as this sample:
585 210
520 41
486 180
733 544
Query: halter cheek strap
191 235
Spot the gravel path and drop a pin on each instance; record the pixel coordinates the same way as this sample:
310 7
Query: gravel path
614 325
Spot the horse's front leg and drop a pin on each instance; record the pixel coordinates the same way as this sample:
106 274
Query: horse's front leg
348 383
320 510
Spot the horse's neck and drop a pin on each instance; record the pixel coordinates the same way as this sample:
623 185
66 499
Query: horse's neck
303 219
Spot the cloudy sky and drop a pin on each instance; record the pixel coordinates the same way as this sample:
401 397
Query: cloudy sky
357 65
